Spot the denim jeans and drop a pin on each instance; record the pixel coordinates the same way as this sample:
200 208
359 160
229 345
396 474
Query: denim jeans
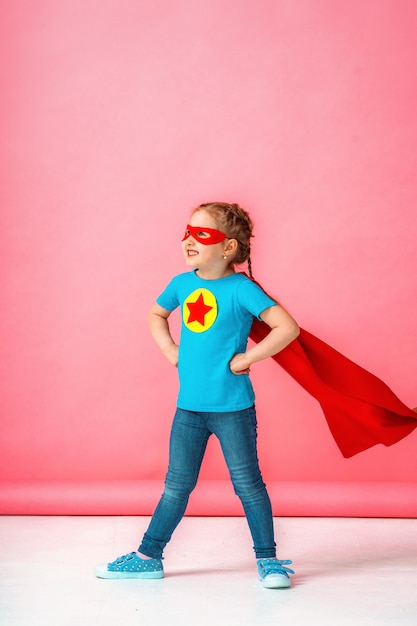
237 433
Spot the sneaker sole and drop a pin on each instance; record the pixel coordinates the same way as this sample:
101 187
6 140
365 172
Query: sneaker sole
125 575
276 582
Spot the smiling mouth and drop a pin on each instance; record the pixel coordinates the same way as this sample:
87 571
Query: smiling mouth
192 253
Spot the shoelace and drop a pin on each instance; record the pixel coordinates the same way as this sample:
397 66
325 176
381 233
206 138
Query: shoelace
275 566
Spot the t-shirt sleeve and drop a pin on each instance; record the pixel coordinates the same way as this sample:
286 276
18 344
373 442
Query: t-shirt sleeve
254 299
168 299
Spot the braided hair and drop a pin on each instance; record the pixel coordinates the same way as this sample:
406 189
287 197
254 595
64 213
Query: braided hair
235 223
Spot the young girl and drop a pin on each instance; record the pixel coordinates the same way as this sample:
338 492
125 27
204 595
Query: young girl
216 397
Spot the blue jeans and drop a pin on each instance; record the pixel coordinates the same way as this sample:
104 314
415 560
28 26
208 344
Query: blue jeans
237 433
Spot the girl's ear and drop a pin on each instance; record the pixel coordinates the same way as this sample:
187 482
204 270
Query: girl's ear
231 246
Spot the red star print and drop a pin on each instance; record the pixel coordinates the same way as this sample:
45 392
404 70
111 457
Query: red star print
198 310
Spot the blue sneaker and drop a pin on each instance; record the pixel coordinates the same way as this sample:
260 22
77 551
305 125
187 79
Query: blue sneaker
131 566
273 574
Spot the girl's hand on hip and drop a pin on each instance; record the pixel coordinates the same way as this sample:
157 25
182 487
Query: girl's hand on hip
239 364
171 354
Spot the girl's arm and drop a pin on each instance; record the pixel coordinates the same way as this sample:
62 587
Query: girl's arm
159 327
284 329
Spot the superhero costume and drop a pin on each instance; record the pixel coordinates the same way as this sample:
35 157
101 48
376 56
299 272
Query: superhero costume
360 409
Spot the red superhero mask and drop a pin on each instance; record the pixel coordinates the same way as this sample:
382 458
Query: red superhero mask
206 236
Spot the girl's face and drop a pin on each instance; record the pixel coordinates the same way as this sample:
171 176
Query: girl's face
208 258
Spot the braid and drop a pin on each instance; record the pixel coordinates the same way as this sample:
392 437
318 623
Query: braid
237 224
250 268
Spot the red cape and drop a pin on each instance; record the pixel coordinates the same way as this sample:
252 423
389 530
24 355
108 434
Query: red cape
361 411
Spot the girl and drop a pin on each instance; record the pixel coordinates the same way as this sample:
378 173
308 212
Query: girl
218 306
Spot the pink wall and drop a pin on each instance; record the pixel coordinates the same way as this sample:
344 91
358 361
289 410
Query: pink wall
117 118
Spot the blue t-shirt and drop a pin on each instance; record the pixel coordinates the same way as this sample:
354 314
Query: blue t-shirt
217 316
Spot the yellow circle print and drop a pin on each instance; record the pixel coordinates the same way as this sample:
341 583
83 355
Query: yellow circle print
200 310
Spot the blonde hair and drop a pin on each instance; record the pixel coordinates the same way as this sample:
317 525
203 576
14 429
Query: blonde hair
235 223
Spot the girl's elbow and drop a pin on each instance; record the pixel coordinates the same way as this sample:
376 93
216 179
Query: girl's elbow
294 331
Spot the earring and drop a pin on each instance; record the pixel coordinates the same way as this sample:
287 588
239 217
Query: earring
225 257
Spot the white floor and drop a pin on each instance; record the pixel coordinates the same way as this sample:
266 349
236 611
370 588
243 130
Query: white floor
348 571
